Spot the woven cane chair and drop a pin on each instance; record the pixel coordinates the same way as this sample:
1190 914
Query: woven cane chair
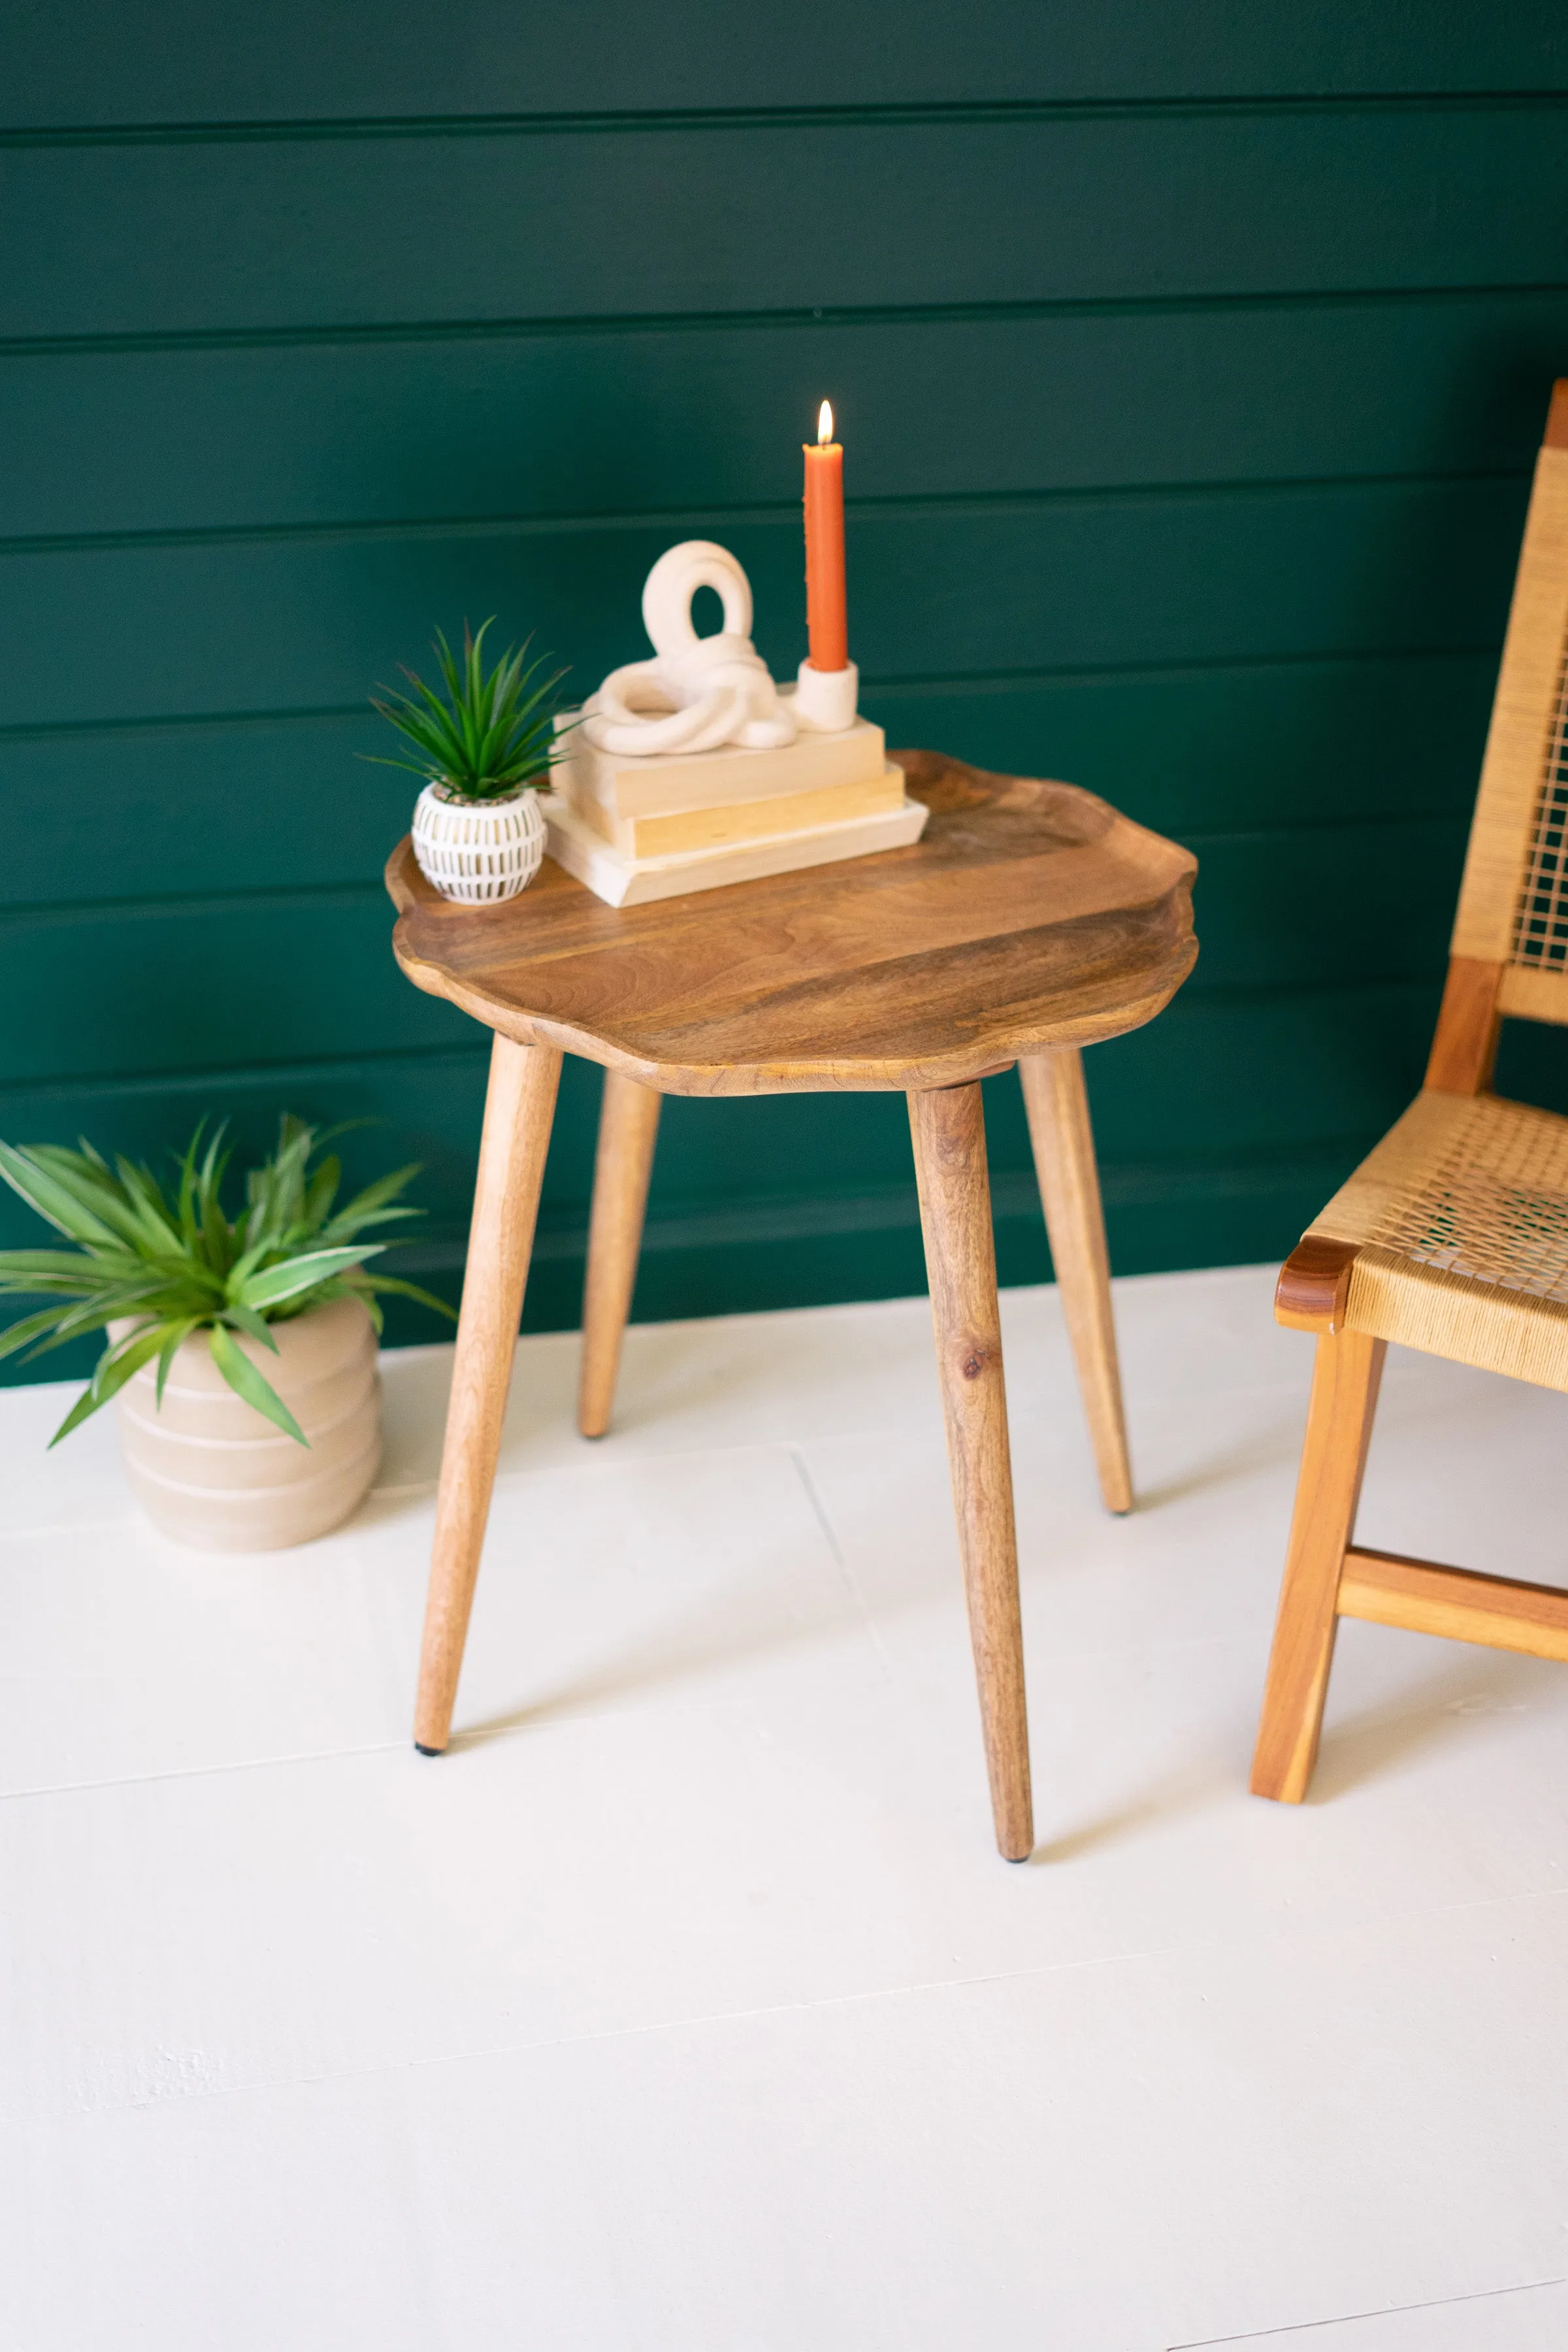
1453 1235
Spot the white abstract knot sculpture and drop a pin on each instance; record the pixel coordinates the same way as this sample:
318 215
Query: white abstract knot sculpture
700 693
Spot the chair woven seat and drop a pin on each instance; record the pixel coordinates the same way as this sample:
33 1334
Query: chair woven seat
1459 1220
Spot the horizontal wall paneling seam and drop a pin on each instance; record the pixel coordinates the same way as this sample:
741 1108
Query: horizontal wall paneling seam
214 1077
1164 1056
1283 573
323 897
139 63
978 682
611 123
202 237
563 1231
1206 749
537 327
1278 838
907 506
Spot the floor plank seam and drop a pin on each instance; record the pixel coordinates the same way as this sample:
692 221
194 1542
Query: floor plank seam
927 1988
1350 2318
830 1537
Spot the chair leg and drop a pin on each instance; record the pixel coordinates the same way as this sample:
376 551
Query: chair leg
628 1124
949 1130
1058 1106
1333 1461
519 1108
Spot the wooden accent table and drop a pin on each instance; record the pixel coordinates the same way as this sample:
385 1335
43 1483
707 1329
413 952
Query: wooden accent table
1028 921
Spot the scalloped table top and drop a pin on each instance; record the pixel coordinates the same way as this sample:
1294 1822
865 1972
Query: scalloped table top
1028 915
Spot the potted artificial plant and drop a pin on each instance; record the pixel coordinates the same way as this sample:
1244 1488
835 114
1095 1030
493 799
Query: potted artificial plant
484 746
241 1352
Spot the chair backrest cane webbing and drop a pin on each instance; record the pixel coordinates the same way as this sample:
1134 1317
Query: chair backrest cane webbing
1434 1196
1509 947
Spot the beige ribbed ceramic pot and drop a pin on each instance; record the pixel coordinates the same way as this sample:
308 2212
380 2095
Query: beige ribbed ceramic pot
210 1470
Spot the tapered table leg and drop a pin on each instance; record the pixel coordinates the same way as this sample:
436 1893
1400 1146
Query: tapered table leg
628 1124
949 1129
1058 1106
519 1108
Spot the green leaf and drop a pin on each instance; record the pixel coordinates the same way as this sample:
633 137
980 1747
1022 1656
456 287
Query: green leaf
175 1335
54 1203
371 1203
215 1243
114 1369
246 1320
30 1327
322 1191
95 1314
84 1283
344 1227
81 1178
274 1283
149 1206
42 1270
382 1282
345 1285
86 1405
247 1382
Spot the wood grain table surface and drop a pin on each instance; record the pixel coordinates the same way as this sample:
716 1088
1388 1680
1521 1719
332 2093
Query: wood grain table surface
1029 915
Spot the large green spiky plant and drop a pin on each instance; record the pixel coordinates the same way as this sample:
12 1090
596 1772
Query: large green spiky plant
171 1263
490 733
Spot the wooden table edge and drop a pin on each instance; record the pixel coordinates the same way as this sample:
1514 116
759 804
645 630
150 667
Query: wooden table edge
984 1056
987 1058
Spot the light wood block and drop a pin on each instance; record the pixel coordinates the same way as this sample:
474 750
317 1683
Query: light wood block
622 881
640 837
674 783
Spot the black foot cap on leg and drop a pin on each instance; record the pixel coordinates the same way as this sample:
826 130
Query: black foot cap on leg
420 1749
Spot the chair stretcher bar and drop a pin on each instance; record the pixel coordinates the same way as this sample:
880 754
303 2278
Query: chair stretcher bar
1387 1590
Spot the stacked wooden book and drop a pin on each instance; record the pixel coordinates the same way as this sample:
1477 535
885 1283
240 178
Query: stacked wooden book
635 828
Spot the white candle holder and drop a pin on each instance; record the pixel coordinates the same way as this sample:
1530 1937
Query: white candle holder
702 694
827 701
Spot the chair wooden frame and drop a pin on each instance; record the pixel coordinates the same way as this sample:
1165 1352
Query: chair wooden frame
1326 1287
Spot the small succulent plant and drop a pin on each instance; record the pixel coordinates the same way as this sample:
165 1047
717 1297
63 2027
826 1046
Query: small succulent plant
490 733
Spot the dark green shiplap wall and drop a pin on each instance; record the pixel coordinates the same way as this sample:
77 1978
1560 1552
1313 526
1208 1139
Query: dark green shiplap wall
1190 362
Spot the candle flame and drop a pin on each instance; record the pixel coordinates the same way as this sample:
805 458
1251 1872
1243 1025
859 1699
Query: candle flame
825 424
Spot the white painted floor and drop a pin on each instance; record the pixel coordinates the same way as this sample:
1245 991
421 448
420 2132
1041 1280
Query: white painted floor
684 2006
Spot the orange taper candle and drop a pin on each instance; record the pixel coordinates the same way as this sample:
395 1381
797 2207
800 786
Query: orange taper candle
827 625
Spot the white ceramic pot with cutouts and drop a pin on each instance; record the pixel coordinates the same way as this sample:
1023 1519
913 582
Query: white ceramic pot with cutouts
478 852
209 1470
